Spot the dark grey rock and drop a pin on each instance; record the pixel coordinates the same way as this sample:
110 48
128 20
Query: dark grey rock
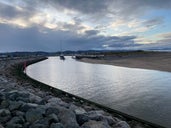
57 101
4 112
25 107
56 125
17 95
82 118
19 113
35 99
1 126
68 118
38 126
14 126
16 120
34 114
41 123
15 105
95 124
51 110
5 115
5 103
53 118
121 124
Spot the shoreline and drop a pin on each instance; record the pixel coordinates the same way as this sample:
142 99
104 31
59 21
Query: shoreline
160 61
24 82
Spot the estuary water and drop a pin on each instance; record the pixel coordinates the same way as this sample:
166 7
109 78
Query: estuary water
142 93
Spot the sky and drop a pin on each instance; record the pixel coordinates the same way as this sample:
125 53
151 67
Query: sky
52 25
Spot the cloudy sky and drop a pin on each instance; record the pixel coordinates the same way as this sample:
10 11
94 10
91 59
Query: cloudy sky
43 25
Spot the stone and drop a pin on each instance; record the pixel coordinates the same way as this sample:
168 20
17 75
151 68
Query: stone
56 125
68 118
19 113
79 111
121 124
53 118
51 110
41 123
15 105
17 95
95 124
38 126
1 126
4 112
16 120
82 118
35 99
57 101
34 114
25 107
5 103
5 115
14 126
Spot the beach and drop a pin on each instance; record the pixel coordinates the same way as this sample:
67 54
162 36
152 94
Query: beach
145 60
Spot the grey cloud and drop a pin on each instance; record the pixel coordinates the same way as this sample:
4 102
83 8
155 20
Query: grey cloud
10 12
15 39
153 22
91 32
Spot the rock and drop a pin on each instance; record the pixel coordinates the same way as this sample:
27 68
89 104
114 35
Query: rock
34 114
51 110
53 118
25 107
56 125
14 126
5 115
57 101
35 99
81 114
15 105
38 126
79 111
121 124
17 95
110 120
95 124
82 118
19 113
1 97
68 118
41 123
16 120
4 104
4 112
1 126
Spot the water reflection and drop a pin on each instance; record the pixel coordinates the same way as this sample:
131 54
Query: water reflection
142 93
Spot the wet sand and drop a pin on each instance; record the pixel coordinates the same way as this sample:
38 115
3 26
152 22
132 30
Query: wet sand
146 60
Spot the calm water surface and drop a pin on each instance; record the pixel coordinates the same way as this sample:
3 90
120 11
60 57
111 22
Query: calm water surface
145 94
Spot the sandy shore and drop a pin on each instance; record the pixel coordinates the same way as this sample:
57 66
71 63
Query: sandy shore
148 60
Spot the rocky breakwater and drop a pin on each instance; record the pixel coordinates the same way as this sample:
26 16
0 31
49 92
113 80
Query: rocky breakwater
22 109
